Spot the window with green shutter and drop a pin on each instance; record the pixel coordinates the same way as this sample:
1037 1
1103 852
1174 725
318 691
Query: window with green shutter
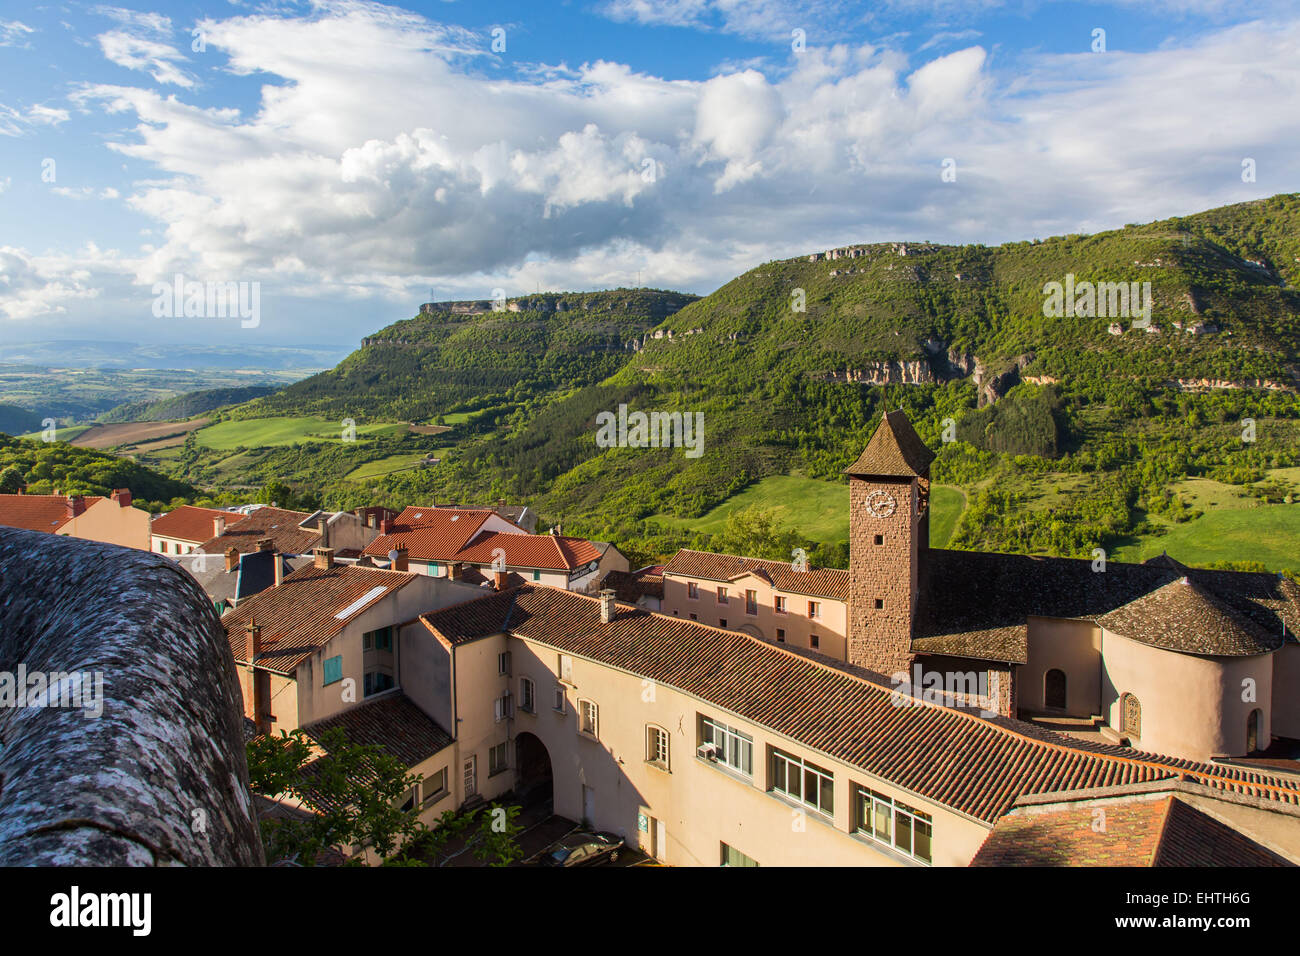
333 669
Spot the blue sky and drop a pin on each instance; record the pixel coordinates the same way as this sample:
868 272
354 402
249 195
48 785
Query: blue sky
347 157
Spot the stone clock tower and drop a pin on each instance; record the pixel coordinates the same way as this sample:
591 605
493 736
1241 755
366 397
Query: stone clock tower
889 525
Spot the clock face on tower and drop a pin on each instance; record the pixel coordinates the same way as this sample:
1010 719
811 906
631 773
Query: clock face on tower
881 504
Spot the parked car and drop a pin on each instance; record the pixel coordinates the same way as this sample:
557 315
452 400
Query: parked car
583 848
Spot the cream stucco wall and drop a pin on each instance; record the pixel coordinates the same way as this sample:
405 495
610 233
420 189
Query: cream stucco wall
701 805
1191 706
1073 647
107 521
1286 692
830 626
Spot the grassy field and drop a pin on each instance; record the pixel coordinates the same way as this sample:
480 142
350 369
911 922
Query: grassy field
382 466
266 432
61 434
1269 534
818 510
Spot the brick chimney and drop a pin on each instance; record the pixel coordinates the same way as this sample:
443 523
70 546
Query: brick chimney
232 559
76 505
453 572
265 544
399 559
324 558
255 706
499 580
607 606
501 505
22 489
218 526
386 526
122 496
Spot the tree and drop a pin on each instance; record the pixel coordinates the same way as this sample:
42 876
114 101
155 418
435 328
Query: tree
353 795
11 479
753 532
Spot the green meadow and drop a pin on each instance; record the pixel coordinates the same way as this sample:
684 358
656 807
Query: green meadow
269 432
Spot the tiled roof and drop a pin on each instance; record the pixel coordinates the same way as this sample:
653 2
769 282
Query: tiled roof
976 604
298 617
631 586
38 512
391 720
817 582
457 535
190 523
895 450
977 767
1184 616
1152 830
278 524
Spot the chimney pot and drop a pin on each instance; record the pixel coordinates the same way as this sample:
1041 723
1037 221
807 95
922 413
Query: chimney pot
324 558
278 560
122 496
608 607
76 505
218 526
399 562
499 580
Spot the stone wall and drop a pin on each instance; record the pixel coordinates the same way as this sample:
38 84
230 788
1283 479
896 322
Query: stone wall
158 776
884 570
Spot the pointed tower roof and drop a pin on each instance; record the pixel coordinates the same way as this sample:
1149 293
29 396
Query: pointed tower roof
895 450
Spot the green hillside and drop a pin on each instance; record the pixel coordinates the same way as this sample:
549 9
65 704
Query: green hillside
1021 405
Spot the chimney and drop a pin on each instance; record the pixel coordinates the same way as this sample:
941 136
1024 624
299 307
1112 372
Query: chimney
256 707
499 580
265 544
232 559
122 496
399 559
607 606
218 526
324 558
76 505
501 505
385 526
453 572
278 561
22 489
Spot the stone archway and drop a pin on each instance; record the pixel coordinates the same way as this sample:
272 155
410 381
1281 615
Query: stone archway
535 782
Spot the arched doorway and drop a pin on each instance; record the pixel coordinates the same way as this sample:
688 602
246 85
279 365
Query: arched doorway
535 782
1130 715
1252 731
1054 689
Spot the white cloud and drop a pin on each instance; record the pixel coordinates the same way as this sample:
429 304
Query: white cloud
14 33
380 158
141 43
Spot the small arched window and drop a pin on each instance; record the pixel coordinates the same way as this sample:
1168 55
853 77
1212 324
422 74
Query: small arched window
1054 689
1130 715
1252 730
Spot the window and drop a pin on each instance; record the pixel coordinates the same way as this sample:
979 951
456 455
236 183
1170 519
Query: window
1130 716
880 603
1054 689
692 590
435 787
537 575
383 639
722 622
814 609
527 695
588 718
722 595
559 706
694 616
471 776
880 539
503 707
804 782
729 747
733 857
503 662
566 668
780 635
376 682
497 759
656 746
814 641
778 604
892 823
333 669
751 602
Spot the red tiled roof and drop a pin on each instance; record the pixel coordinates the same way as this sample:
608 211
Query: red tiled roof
191 523
298 617
278 524
546 551
817 582
894 450
1157 830
391 720
977 767
38 512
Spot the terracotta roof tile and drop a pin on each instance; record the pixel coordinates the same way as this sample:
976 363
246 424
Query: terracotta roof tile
829 583
895 450
975 766
298 617
38 512
278 524
391 720
190 523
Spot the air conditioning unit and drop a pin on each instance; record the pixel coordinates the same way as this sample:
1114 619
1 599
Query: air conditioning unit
708 752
